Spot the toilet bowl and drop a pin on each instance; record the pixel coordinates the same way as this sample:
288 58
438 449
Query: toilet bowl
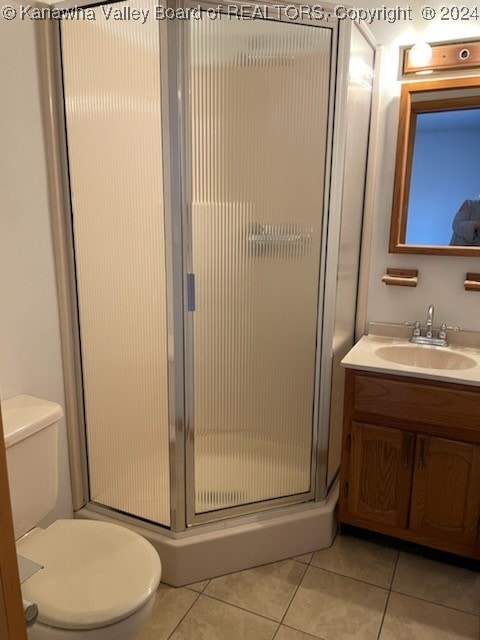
98 580
126 629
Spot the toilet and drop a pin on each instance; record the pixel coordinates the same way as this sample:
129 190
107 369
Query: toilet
98 580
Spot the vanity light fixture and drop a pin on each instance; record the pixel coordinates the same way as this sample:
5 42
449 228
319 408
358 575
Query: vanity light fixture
446 56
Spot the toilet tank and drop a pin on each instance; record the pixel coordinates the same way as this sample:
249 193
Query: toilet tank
30 428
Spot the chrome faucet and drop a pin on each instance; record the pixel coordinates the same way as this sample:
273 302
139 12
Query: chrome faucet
440 340
429 332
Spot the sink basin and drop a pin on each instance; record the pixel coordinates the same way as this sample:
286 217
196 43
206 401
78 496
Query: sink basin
425 357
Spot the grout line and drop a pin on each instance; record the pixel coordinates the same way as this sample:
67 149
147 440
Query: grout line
389 594
185 614
189 586
276 632
342 575
304 632
394 570
307 564
279 622
237 606
383 617
294 593
295 558
409 595
438 604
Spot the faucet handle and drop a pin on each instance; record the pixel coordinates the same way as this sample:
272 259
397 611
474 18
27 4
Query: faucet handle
415 325
445 326
442 334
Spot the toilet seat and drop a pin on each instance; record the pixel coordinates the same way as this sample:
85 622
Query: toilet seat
95 573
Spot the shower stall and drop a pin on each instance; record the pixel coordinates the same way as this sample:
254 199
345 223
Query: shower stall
200 187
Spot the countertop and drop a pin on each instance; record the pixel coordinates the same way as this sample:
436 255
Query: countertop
363 355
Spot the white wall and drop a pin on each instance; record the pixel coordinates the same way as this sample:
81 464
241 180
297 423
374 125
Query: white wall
30 358
440 277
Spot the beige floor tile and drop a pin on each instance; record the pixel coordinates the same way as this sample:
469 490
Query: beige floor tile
336 608
266 590
305 558
411 619
286 633
358 559
211 619
438 582
198 586
170 606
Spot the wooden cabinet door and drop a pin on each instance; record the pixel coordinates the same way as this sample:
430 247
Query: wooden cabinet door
380 474
446 491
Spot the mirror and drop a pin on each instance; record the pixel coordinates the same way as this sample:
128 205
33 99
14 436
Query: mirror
436 199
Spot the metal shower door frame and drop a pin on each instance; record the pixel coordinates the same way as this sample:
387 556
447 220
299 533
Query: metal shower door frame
178 55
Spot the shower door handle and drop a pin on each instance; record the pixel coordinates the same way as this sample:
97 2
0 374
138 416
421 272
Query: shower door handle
191 291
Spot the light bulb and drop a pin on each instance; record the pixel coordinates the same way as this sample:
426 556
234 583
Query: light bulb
420 54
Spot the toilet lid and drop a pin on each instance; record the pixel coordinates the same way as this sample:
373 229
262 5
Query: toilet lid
95 573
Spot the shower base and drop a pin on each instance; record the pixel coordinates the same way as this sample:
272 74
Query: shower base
206 551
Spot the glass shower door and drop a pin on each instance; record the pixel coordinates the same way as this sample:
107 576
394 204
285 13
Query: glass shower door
257 134
112 89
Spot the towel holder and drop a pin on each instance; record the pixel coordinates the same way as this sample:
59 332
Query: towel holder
472 283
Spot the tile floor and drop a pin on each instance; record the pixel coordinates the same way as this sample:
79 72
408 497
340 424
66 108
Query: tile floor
355 590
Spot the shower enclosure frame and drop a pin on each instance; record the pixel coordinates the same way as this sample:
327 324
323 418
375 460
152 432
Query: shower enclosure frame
175 198
177 56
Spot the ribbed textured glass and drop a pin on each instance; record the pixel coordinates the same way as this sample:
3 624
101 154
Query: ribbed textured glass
112 92
259 95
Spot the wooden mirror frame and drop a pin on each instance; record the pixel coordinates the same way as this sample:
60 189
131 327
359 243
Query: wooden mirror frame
403 162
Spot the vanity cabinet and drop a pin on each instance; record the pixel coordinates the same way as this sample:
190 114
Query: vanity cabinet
411 460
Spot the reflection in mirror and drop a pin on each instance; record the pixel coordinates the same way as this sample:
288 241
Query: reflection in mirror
436 194
444 200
